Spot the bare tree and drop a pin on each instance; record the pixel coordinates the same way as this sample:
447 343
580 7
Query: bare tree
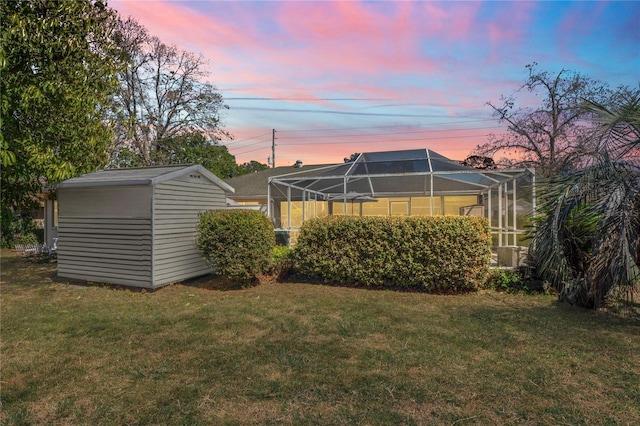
163 95
479 162
551 136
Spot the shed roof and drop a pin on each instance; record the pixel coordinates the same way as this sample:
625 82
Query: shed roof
140 176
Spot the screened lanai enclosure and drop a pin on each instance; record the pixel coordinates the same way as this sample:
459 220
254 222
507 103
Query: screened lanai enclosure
405 183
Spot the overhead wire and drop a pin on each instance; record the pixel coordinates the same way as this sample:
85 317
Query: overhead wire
393 133
333 133
267 144
252 150
388 140
383 127
246 139
354 113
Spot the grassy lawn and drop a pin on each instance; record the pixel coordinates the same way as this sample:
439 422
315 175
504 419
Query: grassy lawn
288 353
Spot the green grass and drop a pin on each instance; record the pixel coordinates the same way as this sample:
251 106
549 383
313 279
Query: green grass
288 353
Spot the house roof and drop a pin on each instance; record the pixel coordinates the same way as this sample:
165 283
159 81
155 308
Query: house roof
254 185
140 176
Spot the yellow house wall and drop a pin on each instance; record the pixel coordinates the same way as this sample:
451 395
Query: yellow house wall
387 206
311 209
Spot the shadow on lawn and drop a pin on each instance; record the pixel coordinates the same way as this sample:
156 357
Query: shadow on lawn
40 270
31 271
218 283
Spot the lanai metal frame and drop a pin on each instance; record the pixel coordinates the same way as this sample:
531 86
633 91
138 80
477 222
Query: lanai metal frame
419 172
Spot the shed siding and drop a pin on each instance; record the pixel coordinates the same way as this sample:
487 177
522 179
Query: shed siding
117 201
176 205
109 250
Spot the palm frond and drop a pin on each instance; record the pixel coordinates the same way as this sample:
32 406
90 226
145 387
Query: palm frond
586 262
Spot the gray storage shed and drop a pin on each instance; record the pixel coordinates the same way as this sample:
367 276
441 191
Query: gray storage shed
135 226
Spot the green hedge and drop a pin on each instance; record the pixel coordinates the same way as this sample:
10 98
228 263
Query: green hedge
238 244
439 253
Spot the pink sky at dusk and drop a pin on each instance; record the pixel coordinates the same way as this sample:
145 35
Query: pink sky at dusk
338 77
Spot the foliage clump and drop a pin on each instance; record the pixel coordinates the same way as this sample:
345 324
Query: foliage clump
19 230
519 280
238 244
57 74
439 254
283 262
587 239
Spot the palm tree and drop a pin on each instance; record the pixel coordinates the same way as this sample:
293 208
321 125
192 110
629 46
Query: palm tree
587 242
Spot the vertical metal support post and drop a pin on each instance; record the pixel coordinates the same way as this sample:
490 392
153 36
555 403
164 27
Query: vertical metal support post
269 209
489 211
505 205
304 210
515 216
500 215
288 207
431 191
533 200
344 206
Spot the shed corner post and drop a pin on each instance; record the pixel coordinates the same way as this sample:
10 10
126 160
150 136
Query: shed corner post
153 233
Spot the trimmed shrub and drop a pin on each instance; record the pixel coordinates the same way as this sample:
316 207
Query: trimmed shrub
283 262
438 253
238 244
519 280
505 280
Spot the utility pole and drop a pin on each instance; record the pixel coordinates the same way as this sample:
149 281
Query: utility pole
273 148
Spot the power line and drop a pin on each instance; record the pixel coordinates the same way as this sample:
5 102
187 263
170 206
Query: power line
317 111
305 99
251 150
388 141
383 127
342 142
246 139
371 142
251 144
393 133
